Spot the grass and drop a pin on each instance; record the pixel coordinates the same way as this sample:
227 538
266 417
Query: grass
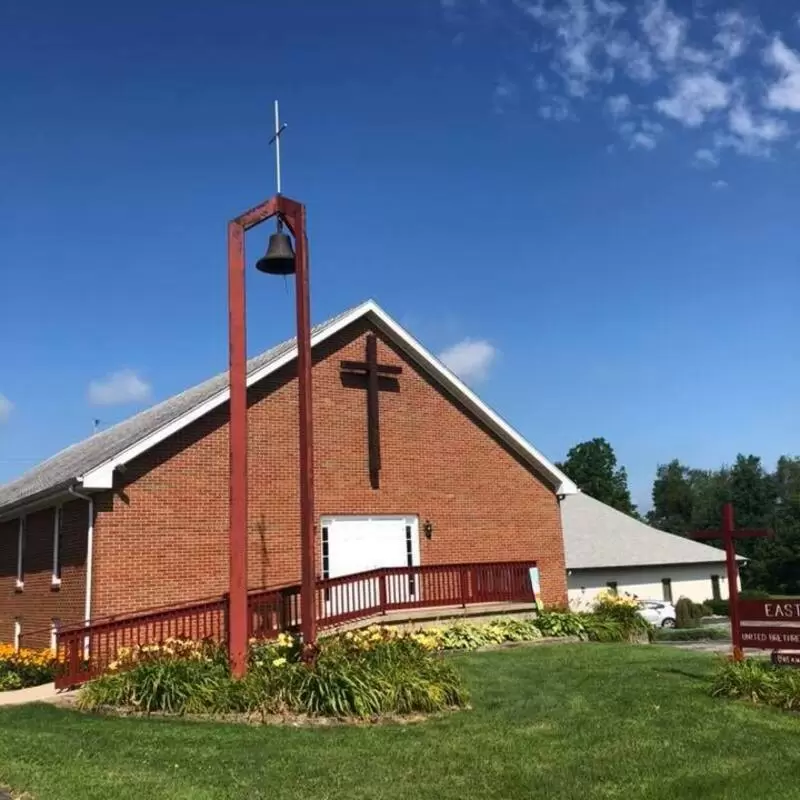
563 722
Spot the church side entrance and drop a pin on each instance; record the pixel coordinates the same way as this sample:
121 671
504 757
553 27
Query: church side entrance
353 544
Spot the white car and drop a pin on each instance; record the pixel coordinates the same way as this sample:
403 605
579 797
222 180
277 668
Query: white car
658 613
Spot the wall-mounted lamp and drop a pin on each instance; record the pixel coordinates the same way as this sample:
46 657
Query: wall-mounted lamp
427 529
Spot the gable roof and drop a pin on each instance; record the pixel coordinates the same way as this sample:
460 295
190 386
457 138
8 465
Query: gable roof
90 464
597 535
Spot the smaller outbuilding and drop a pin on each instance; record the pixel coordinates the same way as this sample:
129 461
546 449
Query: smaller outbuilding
606 549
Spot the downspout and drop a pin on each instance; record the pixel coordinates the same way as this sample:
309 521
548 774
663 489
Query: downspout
87 605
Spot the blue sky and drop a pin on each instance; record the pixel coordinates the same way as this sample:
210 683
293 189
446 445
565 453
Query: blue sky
590 207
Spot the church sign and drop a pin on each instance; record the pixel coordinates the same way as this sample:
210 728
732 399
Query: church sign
776 610
782 628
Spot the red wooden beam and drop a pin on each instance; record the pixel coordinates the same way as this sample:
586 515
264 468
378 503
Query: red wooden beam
727 534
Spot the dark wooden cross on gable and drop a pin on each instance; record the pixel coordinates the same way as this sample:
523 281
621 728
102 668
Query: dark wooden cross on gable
375 378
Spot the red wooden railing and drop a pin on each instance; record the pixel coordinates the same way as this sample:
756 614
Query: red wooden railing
84 651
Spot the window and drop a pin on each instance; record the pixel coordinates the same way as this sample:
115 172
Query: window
21 536
715 592
57 522
17 634
612 587
666 589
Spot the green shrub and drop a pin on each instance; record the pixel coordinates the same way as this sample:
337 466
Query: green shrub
720 608
604 629
687 613
757 681
9 680
698 634
560 623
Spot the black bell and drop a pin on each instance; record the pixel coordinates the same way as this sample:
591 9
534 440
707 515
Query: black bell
279 258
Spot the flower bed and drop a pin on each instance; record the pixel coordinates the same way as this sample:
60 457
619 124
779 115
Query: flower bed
363 674
22 668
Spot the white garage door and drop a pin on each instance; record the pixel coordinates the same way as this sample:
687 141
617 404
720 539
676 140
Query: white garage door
359 544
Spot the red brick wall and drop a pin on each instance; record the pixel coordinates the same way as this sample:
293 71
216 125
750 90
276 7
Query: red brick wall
161 536
38 603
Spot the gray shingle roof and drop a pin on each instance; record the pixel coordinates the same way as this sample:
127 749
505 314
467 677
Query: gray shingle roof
596 535
63 468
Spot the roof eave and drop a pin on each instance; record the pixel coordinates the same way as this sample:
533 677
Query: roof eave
102 476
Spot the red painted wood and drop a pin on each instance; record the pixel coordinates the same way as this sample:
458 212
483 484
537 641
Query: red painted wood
774 610
271 611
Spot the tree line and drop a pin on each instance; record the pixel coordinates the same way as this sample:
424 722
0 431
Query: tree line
687 499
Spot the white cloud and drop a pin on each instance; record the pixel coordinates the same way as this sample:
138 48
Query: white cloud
505 94
633 58
694 97
470 359
664 30
719 184
753 136
119 388
734 32
6 407
642 135
784 94
644 141
706 158
556 108
618 105
611 53
608 8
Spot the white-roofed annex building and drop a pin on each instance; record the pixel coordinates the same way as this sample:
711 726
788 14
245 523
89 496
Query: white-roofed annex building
606 549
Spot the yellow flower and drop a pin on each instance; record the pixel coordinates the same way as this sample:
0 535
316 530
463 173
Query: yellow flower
279 662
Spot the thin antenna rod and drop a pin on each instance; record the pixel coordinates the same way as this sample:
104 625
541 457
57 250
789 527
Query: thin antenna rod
276 137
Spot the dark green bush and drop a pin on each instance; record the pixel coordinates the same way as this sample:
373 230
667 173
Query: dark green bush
754 594
757 681
688 614
698 634
719 607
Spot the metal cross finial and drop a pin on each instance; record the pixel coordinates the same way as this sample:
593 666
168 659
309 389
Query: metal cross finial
276 137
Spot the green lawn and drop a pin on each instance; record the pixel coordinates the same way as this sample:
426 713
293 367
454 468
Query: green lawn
571 721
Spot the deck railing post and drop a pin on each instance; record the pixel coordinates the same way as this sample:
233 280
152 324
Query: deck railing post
464 585
382 591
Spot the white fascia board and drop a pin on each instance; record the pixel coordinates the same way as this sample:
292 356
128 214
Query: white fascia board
102 476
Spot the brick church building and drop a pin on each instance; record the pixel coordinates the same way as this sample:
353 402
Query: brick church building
137 515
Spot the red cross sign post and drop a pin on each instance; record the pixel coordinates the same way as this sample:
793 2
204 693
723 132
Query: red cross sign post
728 533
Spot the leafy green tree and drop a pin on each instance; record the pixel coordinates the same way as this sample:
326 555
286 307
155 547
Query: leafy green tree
673 498
593 467
685 500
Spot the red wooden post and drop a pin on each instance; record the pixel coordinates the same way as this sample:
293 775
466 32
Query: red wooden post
464 586
728 533
308 615
382 591
237 437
